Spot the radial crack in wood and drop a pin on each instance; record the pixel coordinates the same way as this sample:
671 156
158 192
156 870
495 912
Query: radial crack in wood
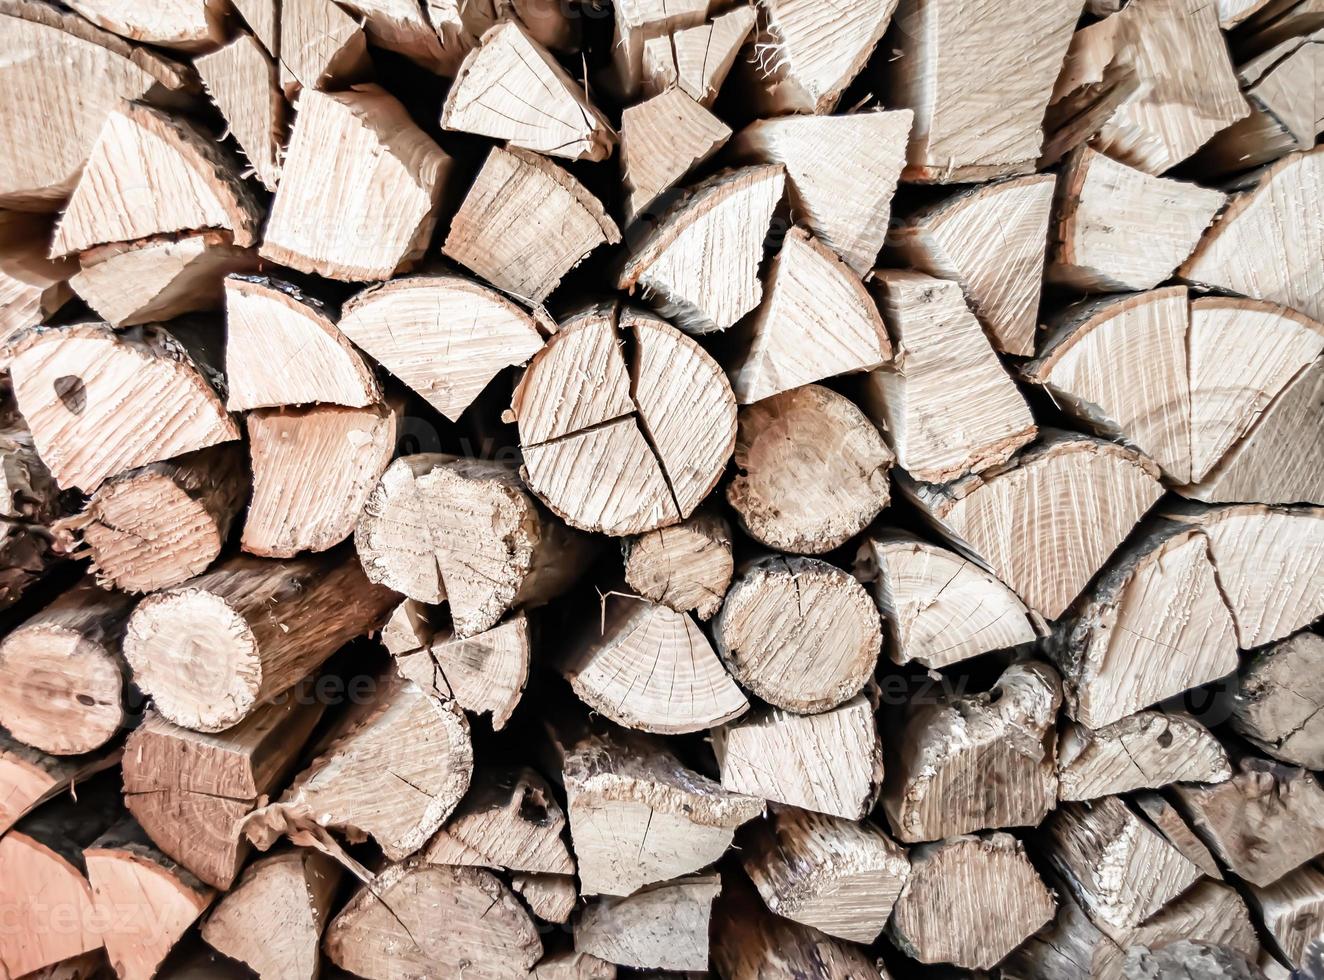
696 60
370 782
830 762
801 634
687 567
321 45
359 189
661 927
638 22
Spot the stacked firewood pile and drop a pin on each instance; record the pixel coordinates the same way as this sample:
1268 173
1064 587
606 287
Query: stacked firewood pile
570 489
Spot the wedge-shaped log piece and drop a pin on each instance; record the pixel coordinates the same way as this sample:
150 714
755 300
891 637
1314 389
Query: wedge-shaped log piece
387 174
700 263
263 18
100 402
481 539
817 321
321 45
992 240
1291 909
461 24
313 469
830 762
938 438
159 278
190 25
148 174
158 525
1283 118
841 172
661 927
1260 245
404 26
687 567
648 667
30 777
979 84
1280 459
696 60
1004 735
552 898
1074 948
638 22
806 54
444 335
801 634
284 349
273 920
938 608
510 88
369 781
1165 818
1242 354
1147 750
525 223
508 820
265 625
622 453
147 901
1270 566
1187 89
244 84
1067 488
811 470
662 140
638 816
49 54
32 286
427 920
1279 699
61 674
1153 624
969 901
572 966
1118 867
189 791
1122 365
835 875
1265 821
750 943
484 673
42 871
1116 228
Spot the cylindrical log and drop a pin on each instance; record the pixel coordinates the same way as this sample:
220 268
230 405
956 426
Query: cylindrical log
811 470
61 673
161 524
210 650
800 633
687 567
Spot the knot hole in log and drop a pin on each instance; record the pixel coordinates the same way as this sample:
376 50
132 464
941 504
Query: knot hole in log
72 393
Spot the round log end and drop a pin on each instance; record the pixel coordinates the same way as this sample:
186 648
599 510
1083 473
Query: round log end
60 692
